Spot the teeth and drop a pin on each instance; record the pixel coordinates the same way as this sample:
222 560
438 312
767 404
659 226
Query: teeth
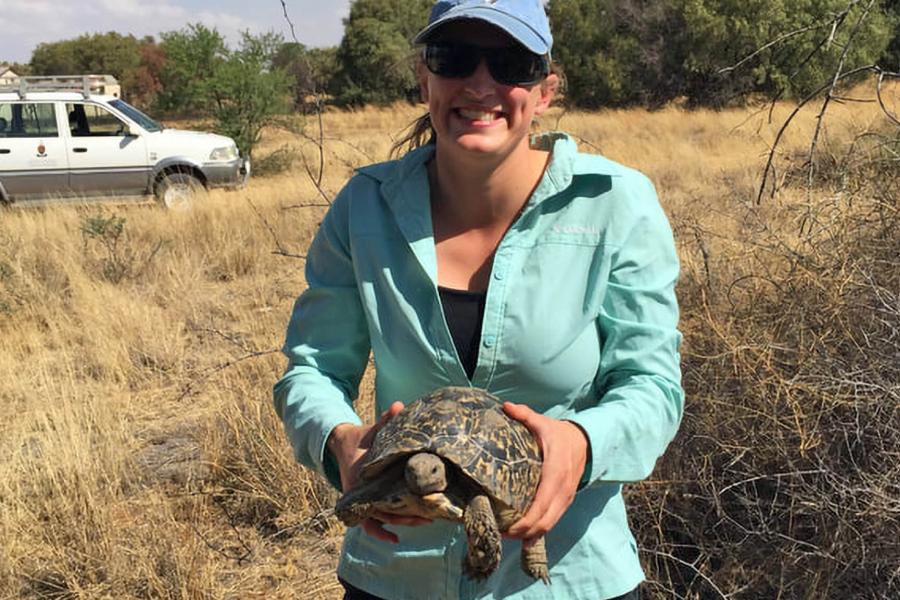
476 115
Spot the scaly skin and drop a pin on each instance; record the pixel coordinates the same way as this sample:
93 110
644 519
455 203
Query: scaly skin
483 539
534 561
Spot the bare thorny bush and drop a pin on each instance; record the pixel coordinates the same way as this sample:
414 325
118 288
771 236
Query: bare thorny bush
784 481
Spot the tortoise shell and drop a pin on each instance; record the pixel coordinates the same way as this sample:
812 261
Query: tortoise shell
468 428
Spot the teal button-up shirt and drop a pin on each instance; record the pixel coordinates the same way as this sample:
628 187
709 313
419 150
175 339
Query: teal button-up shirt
580 323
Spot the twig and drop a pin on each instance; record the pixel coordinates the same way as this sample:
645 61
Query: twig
690 566
186 391
830 95
884 109
765 47
784 126
280 250
289 22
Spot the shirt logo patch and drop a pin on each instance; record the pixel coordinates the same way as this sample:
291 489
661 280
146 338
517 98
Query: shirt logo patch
576 229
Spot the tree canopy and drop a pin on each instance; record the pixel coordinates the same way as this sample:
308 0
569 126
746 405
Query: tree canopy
613 52
619 52
375 57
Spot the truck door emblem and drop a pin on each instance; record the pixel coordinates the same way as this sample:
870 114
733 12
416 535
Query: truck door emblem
41 151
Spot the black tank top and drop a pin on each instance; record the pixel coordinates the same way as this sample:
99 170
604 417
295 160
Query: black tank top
464 312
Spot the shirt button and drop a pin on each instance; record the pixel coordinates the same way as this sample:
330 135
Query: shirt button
498 275
489 341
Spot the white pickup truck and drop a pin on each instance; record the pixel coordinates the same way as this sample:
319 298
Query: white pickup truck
56 144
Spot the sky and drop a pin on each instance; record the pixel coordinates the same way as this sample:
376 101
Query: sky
26 23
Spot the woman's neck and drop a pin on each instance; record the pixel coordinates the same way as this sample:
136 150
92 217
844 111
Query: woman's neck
479 193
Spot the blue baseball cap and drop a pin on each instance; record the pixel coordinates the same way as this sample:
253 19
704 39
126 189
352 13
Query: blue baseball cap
524 20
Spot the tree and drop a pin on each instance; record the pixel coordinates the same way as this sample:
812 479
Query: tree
795 45
891 58
17 68
243 90
310 69
629 51
192 56
122 56
614 52
247 91
375 55
143 83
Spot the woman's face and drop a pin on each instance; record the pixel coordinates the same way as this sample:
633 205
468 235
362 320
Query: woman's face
476 115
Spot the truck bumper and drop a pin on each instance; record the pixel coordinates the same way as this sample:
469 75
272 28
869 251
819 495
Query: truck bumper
233 174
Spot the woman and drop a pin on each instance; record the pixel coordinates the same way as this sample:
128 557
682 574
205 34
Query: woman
493 258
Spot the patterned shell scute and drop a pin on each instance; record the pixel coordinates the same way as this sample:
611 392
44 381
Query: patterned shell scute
466 426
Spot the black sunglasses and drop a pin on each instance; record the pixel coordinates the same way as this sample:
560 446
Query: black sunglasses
508 66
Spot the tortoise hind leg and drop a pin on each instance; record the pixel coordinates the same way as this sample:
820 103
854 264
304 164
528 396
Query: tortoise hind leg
483 535
534 560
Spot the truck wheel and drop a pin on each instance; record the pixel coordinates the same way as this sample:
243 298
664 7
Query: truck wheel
178 190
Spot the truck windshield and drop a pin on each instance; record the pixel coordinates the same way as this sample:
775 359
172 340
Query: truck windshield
136 115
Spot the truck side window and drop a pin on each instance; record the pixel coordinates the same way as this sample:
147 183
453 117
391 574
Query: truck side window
28 120
91 120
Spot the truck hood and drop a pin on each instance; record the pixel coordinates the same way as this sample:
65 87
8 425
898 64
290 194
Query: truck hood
194 146
214 140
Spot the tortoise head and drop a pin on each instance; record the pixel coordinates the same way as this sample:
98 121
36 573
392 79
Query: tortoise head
425 474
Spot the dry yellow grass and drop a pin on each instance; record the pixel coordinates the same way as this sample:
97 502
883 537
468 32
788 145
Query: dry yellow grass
142 458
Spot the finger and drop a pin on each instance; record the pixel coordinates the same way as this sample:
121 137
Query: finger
390 413
519 412
545 518
369 437
376 530
542 506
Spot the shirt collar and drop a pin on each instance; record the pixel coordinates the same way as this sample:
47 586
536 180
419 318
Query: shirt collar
565 163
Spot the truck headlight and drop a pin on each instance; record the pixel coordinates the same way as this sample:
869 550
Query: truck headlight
224 153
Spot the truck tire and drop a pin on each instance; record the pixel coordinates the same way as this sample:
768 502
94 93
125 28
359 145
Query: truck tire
178 190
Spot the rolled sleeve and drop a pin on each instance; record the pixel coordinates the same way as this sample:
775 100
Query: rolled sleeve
639 380
327 347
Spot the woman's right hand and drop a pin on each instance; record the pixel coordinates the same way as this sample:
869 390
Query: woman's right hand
349 444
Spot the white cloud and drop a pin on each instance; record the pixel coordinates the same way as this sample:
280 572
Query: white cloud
28 23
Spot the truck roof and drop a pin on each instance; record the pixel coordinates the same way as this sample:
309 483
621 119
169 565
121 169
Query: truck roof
57 96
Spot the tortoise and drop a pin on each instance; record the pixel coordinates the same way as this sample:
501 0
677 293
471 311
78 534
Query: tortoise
454 454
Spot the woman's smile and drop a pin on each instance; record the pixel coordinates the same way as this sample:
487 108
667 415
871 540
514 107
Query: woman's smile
479 117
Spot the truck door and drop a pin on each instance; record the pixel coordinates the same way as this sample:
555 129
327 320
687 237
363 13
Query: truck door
32 153
103 157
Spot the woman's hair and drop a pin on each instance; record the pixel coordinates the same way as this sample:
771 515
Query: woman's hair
418 133
421 132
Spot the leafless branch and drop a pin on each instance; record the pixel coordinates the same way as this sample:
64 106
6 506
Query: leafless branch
774 42
830 95
881 75
768 168
279 249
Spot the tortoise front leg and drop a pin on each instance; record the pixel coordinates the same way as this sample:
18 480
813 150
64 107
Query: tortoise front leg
534 561
483 537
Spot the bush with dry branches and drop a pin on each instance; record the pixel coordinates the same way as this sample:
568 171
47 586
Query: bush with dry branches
784 481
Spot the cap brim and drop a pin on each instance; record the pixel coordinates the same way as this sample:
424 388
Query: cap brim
517 29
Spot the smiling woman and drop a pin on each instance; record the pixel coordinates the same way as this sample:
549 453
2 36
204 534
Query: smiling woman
493 258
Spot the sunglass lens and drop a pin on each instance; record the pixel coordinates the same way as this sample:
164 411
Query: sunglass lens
508 66
511 66
452 60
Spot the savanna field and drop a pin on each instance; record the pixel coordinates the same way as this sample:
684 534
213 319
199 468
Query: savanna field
142 457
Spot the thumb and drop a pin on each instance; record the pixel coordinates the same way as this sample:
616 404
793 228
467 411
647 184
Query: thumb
519 412
392 411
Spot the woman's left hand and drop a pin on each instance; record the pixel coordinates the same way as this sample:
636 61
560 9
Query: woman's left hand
564 446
